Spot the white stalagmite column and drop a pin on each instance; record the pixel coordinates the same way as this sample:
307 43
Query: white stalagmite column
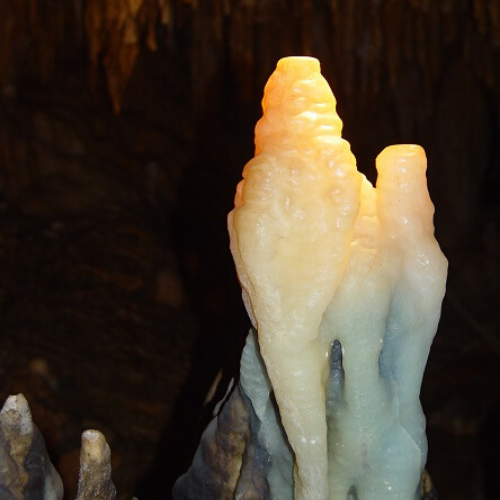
324 256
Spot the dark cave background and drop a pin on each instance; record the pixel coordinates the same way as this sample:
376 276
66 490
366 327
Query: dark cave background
124 127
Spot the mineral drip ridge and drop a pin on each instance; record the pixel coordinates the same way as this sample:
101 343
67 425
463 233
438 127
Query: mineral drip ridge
244 452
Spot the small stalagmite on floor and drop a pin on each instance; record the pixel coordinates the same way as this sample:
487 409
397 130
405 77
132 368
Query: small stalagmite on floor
95 468
26 471
25 468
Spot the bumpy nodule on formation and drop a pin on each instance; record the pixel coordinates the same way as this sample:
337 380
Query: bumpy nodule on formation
343 283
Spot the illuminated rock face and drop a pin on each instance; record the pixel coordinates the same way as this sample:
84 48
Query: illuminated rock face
343 283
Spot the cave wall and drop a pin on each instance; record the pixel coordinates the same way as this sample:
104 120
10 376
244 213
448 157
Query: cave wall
402 71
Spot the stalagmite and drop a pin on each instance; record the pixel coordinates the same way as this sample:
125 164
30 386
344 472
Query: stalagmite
26 471
324 257
290 234
343 283
95 468
25 468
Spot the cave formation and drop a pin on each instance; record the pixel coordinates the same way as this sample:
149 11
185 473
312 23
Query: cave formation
123 129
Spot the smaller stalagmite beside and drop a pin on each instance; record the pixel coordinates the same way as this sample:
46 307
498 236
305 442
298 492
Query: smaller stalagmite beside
343 282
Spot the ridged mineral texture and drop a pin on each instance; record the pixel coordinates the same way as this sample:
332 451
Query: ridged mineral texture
343 282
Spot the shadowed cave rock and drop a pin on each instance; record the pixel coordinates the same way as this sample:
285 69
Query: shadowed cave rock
122 137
